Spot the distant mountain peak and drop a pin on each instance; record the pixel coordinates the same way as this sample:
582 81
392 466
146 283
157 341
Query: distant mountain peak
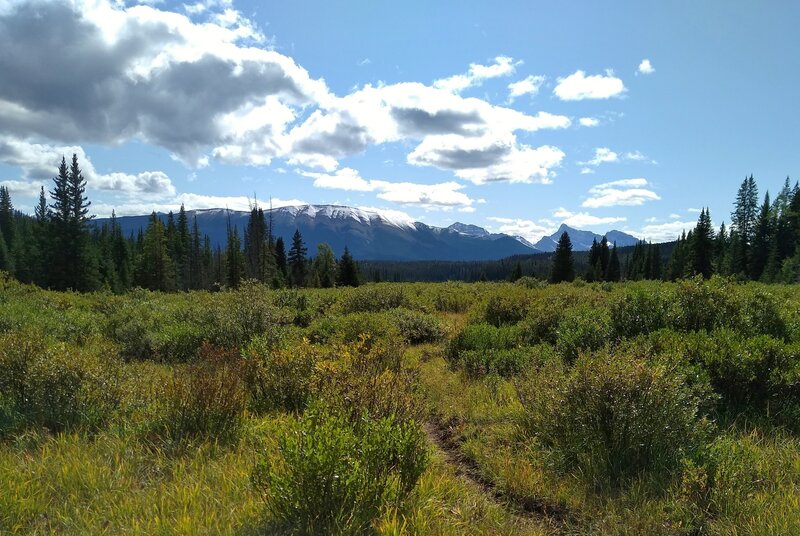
468 229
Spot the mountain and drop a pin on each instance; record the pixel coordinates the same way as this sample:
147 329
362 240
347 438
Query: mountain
376 235
368 234
582 240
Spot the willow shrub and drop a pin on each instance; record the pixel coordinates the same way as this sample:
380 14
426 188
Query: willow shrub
333 476
582 328
614 417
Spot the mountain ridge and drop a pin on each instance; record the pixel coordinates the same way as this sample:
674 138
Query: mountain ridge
368 234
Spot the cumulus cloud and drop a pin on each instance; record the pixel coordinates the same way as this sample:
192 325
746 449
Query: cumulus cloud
626 192
665 232
527 86
604 155
646 67
578 86
584 219
589 121
442 195
23 188
205 85
529 230
477 73
39 163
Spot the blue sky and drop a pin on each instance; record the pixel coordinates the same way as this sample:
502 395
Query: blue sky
627 115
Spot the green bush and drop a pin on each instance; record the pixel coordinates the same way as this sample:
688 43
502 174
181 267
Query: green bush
374 298
504 362
206 399
582 328
613 418
352 327
416 327
639 311
331 477
482 337
57 386
505 308
699 305
238 316
454 298
541 324
279 378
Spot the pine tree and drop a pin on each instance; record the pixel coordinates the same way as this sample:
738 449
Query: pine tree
155 269
702 252
743 221
348 270
234 259
7 226
324 266
280 259
297 260
762 236
183 246
676 267
563 264
613 273
195 258
517 273
6 262
594 260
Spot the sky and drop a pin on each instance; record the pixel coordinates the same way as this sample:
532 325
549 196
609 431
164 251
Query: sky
515 116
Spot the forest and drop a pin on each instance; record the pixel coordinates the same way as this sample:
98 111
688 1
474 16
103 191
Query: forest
59 247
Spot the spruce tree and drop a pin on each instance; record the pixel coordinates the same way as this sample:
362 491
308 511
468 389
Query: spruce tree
7 225
348 270
743 221
155 269
613 273
563 264
280 259
324 266
234 259
702 253
297 260
762 236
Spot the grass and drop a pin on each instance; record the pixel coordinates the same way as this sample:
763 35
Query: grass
262 358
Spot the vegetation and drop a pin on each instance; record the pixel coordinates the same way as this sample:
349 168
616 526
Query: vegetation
497 408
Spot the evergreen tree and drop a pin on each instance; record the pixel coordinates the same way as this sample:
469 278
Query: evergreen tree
6 262
762 236
324 266
280 259
563 264
594 260
676 267
348 270
183 245
743 221
517 273
702 252
297 260
195 258
7 225
613 273
234 260
155 269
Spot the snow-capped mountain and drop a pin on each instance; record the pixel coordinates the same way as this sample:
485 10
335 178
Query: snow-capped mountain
373 235
582 240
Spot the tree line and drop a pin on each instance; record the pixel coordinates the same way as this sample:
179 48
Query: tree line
760 245
59 248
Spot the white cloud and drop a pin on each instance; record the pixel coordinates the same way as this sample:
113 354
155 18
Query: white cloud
665 232
527 229
578 86
487 159
626 192
694 210
39 162
589 121
602 155
502 66
527 86
584 219
646 67
405 193
23 188
587 171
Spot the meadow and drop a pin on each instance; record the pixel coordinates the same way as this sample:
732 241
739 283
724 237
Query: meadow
413 408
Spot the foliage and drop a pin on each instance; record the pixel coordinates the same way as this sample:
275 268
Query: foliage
331 477
613 417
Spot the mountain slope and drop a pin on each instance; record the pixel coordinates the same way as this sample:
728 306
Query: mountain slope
582 240
368 234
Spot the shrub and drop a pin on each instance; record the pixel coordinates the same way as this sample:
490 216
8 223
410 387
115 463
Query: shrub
759 314
416 327
331 477
482 337
699 305
453 298
506 308
205 399
638 312
177 343
613 417
504 362
374 298
582 328
57 386
279 378
240 315
541 324
352 327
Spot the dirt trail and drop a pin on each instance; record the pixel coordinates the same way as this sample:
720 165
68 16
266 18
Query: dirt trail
441 435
